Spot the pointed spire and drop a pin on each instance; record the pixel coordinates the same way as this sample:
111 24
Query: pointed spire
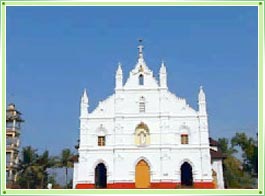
202 102
163 68
84 93
163 63
119 78
201 96
84 105
84 97
119 70
163 75
140 50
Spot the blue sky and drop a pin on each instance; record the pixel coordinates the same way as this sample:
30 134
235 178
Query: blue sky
53 53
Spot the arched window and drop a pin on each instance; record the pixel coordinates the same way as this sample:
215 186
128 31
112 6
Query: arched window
141 80
142 135
142 104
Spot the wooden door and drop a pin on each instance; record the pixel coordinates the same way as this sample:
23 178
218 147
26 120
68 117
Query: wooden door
142 175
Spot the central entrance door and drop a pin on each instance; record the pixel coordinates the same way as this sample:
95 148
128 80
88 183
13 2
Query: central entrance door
142 175
186 175
100 176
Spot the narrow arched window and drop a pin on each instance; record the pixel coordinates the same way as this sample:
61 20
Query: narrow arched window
141 79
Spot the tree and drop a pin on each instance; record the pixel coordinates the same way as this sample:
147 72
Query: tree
27 176
234 174
249 147
32 168
65 162
44 162
225 147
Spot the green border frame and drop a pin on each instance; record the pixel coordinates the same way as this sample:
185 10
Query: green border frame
259 191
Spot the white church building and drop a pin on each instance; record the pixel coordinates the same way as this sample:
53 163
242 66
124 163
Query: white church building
144 136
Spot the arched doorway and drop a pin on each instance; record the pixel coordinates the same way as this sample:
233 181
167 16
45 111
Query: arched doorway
100 176
142 175
186 174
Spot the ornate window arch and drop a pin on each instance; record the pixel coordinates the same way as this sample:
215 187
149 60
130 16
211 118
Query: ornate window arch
142 135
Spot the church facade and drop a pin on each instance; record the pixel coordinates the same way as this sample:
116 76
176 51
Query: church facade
144 136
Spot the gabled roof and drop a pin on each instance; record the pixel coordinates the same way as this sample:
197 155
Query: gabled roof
216 154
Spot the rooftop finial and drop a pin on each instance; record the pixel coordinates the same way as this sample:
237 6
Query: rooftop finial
119 65
85 97
119 70
201 94
140 47
163 67
163 63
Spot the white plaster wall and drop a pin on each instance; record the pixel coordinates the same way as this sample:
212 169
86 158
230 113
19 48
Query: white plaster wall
88 160
165 151
218 168
164 164
167 117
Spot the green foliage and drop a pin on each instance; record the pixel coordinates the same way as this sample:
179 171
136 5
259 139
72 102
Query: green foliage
225 147
32 169
65 159
65 162
249 146
234 175
238 174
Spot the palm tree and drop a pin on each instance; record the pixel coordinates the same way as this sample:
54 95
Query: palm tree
65 161
32 168
27 168
44 162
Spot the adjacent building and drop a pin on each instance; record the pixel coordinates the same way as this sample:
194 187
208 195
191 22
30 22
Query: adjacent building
13 125
144 136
